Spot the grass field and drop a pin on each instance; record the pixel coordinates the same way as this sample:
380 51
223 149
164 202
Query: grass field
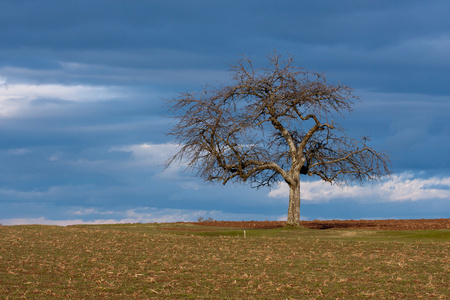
182 261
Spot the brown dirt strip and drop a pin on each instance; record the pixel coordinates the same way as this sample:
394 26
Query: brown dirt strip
411 224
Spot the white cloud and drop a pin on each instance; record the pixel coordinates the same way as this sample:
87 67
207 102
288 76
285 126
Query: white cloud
149 154
15 99
148 158
149 215
20 151
402 187
167 215
90 211
54 91
431 50
44 221
154 155
140 215
284 218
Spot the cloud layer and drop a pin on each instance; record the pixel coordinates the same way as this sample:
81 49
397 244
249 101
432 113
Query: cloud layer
401 187
82 119
138 215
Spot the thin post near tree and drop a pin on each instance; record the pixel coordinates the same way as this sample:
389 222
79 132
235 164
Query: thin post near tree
272 124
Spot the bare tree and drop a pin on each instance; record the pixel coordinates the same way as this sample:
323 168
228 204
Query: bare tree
269 125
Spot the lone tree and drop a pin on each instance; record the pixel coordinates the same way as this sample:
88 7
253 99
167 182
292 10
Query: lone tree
269 125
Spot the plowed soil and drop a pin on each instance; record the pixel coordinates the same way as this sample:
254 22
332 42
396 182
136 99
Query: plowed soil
414 224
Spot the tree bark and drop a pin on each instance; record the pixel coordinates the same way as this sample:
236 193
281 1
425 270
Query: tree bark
293 217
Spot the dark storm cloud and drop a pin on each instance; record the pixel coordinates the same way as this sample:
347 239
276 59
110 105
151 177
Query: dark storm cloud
159 24
353 40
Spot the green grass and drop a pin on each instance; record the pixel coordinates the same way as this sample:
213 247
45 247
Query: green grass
343 234
143 261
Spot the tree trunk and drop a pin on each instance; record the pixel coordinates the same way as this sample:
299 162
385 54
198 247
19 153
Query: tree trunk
293 217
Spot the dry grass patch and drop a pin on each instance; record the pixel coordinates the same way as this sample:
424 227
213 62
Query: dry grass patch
124 262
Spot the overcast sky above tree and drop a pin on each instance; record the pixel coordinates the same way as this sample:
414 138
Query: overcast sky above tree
82 122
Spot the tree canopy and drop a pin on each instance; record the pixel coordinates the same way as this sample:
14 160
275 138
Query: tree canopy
272 124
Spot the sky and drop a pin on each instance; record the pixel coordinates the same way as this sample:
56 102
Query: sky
82 120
